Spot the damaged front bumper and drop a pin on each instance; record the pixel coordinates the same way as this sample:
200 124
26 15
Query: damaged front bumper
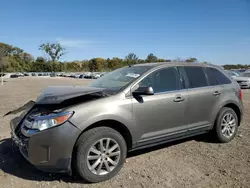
49 150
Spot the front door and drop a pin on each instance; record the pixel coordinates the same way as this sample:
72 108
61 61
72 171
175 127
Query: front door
161 116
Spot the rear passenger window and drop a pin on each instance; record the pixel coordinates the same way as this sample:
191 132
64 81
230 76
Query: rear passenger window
219 76
211 78
196 77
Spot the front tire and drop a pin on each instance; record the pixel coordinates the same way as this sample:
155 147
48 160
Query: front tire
100 154
226 125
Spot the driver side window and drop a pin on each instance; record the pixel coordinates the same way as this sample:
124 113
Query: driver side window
162 80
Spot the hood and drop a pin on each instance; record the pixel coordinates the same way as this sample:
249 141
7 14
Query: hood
58 94
238 78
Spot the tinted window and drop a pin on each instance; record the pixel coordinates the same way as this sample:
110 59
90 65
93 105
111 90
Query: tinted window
219 76
196 77
211 78
162 80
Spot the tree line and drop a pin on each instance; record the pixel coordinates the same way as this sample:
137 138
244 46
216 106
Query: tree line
14 59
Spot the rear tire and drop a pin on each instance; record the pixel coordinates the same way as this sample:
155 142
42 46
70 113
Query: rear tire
226 125
93 154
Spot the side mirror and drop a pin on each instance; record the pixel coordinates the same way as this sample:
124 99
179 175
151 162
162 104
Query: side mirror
143 91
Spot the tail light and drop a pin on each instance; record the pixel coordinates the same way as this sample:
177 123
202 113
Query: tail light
240 94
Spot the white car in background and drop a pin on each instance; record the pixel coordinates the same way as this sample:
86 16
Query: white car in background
19 74
243 79
77 75
96 75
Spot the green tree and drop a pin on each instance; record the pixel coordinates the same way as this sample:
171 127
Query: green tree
10 50
191 59
140 61
131 58
110 64
40 59
26 57
54 50
16 60
85 65
161 60
151 58
96 64
1 57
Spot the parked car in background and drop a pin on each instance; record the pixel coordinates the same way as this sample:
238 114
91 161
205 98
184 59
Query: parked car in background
19 74
232 73
77 75
14 75
53 74
88 75
91 129
244 79
66 75
242 70
103 73
82 76
72 75
5 75
96 75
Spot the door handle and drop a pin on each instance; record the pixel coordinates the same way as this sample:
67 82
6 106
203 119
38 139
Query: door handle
178 99
216 93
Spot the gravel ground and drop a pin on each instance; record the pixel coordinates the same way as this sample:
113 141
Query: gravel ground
194 162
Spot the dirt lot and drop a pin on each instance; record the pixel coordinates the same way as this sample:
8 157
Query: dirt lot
195 162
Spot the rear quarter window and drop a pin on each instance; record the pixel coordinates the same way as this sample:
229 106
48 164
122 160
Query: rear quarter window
211 78
219 76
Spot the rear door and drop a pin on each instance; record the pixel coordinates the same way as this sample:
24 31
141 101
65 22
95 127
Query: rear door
202 97
222 89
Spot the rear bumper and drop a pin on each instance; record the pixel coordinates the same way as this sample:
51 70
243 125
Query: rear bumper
50 150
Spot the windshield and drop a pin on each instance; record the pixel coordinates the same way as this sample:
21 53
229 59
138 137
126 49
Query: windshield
245 74
120 78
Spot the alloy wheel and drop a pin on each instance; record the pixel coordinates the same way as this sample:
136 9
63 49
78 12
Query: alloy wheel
103 156
228 125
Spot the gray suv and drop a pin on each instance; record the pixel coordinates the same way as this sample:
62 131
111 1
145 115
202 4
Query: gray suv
91 129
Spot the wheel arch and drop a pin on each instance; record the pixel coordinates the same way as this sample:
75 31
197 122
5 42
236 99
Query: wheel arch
233 106
114 124
236 109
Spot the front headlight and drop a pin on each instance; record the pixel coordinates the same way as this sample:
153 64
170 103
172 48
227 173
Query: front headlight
50 120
